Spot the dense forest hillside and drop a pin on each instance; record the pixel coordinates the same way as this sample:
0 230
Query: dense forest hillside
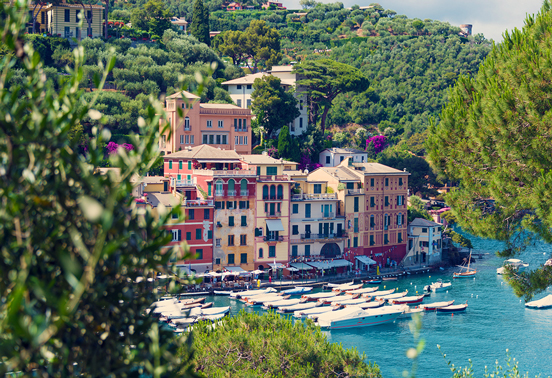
410 65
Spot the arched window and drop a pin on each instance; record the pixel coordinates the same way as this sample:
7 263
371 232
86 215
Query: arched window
218 188
265 191
272 192
399 219
385 221
243 187
231 187
372 221
260 252
280 192
187 124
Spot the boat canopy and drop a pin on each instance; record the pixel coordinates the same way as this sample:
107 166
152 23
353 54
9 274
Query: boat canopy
365 260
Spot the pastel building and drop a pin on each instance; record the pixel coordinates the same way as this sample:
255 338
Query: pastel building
331 157
63 19
241 89
272 198
424 243
317 223
192 123
374 201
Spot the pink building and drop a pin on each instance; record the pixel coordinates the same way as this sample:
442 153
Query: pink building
225 126
234 6
276 4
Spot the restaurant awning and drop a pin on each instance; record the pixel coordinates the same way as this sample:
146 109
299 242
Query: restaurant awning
274 225
292 269
234 269
277 266
327 264
301 266
365 260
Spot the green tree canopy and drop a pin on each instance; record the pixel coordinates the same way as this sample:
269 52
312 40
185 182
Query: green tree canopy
73 241
272 104
284 142
494 137
323 80
270 345
200 23
153 17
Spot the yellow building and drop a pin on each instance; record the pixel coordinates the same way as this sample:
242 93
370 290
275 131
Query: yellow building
273 193
63 20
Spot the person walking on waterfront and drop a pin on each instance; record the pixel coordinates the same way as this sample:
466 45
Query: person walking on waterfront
270 279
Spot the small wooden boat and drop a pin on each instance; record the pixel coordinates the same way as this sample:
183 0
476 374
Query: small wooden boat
369 305
342 288
362 291
222 292
378 293
540 304
207 305
375 281
282 303
407 300
336 299
453 308
337 285
297 290
388 297
297 307
238 295
389 278
435 305
439 286
468 273
317 296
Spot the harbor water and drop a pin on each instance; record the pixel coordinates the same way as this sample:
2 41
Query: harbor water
495 321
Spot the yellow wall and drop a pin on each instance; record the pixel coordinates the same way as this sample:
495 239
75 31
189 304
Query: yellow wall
57 24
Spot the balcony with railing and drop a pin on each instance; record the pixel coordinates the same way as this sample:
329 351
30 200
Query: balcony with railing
187 203
314 197
244 193
226 173
328 215
240 130
273 178
183 183
273 238
273 198
273 214
231 193
219 193
338 235
352 192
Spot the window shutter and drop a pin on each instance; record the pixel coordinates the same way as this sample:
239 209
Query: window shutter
179 235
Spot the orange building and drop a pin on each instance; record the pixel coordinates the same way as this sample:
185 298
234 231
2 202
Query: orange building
225 126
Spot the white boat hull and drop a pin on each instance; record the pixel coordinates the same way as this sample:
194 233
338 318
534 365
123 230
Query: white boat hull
370 318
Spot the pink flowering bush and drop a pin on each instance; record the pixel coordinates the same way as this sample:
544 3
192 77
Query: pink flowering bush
379 142
112 147
307 163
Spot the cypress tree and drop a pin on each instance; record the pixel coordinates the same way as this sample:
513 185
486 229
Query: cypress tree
284 144
200 23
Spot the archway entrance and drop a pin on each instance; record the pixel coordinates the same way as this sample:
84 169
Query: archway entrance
330 250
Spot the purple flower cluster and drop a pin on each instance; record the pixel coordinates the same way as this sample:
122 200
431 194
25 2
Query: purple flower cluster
112 147
307 163
379 142
272 152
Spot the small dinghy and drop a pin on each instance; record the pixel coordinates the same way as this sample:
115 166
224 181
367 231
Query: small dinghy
407 314
389 278
297 307
317 296
346 287
222 292
387 297
250 293
378 293
540 304
439 286
297 290
302 314
283 303
362 291
435 305
337 285
407 300
368 305
453 308
375 281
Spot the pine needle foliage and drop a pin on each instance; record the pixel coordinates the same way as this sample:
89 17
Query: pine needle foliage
269 345
73 241
495 137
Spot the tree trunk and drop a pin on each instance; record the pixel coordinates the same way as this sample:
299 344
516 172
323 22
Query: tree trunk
106 12
323 118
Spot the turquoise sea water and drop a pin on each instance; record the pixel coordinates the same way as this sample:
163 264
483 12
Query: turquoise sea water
495 320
